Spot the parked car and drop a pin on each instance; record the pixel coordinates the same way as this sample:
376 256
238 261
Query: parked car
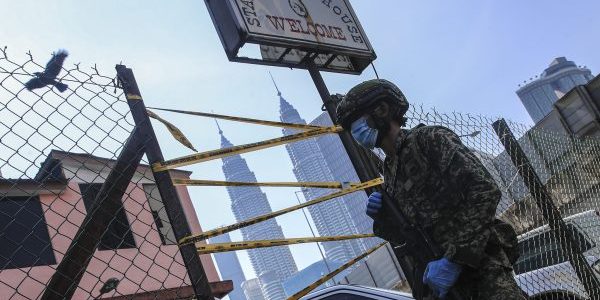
356 292
543 270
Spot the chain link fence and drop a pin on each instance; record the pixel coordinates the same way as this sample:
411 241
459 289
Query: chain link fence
554 208
59 149
557 219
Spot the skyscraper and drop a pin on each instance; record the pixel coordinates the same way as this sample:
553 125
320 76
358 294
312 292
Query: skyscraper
538 95
311 273
341 168
229 267
273 265
252 290
332 217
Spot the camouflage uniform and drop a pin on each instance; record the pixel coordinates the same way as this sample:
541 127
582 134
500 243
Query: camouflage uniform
443 187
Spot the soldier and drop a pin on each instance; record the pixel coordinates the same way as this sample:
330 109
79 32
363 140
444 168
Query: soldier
440 186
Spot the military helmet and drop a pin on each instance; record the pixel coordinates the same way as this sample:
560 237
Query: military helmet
366 95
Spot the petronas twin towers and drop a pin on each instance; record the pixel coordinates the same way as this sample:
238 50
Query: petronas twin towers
332 217
274 265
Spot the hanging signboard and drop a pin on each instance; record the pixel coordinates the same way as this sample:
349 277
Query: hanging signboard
289 32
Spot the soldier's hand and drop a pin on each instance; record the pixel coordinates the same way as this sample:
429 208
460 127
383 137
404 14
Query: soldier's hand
374 204
440 275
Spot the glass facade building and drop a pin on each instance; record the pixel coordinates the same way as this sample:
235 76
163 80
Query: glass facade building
539 95
275 264
342 170
229 267
252 289
332 217
310 274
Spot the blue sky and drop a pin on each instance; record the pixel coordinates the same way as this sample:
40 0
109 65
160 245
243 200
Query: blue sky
461 55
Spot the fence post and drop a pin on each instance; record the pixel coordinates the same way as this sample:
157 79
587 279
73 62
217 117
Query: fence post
71 268
550 212
365 167
164 182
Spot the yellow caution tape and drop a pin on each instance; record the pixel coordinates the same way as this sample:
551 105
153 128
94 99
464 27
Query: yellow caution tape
175 132
322 185
133 97
242 119
327 277
220 153
235 246
211 233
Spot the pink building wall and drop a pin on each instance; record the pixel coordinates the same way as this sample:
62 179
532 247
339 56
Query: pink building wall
149 267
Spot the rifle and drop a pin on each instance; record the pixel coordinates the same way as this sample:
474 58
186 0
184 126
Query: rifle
416 238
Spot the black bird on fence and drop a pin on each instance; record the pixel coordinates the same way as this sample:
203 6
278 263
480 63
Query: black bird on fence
49 75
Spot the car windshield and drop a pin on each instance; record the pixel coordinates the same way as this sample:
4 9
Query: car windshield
544 250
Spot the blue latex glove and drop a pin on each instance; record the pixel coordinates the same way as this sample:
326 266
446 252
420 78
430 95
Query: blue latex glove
440 275
374 204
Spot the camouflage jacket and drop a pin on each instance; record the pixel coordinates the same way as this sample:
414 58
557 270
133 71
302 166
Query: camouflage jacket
443 188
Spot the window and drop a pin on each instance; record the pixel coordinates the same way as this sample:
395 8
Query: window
532 107
543 101
544 250
24 238
119 234
161 219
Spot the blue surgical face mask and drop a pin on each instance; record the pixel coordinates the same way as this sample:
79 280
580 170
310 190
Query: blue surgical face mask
363 134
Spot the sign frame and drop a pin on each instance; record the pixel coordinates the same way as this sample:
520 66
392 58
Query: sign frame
235 34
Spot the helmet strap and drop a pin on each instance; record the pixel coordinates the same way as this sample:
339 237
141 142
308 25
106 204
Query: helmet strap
398 116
